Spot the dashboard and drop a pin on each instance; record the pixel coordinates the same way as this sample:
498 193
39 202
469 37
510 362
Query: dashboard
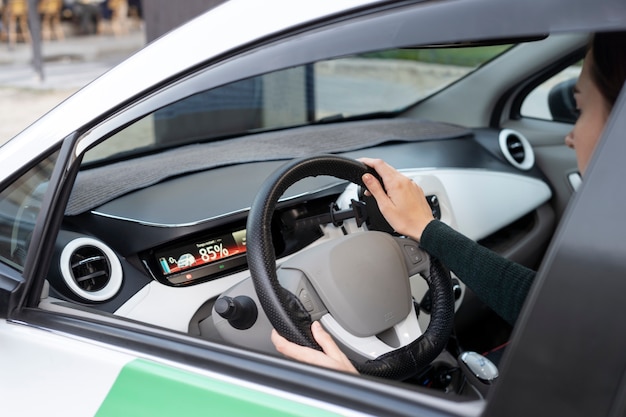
163 253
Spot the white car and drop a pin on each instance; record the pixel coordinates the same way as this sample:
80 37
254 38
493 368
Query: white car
156 225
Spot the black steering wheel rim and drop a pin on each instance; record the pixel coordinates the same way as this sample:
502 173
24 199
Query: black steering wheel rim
284 309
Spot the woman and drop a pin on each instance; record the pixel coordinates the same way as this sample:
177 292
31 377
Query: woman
500 283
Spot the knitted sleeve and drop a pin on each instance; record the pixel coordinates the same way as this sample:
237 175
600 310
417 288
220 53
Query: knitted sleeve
497 281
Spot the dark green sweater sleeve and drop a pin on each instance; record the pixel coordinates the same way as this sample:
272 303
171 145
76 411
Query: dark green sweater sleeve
497 281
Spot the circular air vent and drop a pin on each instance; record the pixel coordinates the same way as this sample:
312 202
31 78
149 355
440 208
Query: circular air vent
91 269
516 149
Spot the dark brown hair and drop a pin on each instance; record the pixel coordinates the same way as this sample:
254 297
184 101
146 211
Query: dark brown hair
608 69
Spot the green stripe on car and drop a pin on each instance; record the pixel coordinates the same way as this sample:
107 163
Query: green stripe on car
146 388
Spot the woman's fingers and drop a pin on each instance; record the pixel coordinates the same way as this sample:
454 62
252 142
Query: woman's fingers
402 202
332 357
292 350
375 189
380 166
324 339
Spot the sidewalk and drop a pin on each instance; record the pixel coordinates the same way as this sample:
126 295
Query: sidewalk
16 68
68 65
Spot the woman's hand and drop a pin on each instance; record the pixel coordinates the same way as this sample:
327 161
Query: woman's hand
403 204
331 357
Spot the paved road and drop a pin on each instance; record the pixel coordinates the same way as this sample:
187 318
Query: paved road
68 65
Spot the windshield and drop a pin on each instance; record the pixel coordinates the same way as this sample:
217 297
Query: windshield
321 92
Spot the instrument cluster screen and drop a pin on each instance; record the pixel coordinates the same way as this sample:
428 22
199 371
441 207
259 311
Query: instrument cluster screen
189 261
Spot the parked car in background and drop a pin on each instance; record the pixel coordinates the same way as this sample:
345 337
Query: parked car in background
156 225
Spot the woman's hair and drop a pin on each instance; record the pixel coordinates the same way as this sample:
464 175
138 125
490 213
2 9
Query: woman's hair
608 69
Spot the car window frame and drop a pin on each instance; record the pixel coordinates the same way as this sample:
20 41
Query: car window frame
14 282
47 226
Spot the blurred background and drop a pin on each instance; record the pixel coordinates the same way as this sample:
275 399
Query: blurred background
51 48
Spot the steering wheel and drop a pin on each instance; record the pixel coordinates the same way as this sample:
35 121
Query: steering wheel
360 282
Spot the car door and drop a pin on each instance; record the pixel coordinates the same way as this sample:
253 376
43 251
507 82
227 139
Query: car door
50 372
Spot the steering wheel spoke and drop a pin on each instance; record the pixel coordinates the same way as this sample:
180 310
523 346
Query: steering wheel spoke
371 347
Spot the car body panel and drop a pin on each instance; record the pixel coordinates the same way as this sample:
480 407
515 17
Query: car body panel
60 339
84 378
51 366
181 391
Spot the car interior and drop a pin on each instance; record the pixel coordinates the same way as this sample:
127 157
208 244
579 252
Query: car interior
185 217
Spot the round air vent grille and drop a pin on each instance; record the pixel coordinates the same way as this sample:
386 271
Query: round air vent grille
516 149
91 269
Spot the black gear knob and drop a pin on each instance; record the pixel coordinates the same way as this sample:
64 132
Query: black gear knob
241 311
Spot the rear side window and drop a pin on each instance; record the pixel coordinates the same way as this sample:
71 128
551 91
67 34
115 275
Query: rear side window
554 98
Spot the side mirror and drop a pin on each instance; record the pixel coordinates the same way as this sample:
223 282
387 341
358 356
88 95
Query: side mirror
561 102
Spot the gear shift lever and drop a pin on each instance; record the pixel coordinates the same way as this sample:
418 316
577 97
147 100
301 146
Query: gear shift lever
480 371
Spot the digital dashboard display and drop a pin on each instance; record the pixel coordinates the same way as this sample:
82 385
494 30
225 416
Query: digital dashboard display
216 254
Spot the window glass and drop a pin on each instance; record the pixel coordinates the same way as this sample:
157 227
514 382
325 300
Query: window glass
319 92
553 99
20 204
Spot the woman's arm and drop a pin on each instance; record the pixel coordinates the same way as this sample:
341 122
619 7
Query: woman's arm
497 281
